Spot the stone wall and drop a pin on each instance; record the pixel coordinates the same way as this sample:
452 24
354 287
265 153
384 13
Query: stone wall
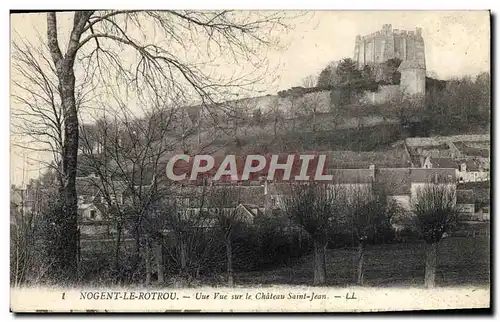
385 94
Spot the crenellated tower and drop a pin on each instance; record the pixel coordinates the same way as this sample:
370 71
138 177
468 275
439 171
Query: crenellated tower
407 45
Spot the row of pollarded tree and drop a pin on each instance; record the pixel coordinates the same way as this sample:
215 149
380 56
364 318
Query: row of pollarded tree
198 244
316 207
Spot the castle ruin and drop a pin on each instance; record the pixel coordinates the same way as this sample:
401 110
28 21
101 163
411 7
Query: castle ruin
378 47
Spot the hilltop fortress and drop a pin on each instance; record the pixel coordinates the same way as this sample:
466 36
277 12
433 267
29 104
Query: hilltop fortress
373 50
378 47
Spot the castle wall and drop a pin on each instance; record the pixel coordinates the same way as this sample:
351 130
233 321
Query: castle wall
413 82
384 94
420 51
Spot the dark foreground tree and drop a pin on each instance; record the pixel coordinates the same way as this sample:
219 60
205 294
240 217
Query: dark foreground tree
222 204
312 206
368 214
435 215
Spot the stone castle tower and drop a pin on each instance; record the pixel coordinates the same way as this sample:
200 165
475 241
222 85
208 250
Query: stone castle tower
380 46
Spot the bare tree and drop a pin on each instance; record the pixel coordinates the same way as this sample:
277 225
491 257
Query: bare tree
310 81
222 206
310 107
435 215
197 247
37 115
367 210
313 206
275 115
98 44
126 154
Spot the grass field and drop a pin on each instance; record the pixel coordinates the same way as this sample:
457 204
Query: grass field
461 261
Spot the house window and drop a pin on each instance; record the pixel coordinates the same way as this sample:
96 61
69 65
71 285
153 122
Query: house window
92 214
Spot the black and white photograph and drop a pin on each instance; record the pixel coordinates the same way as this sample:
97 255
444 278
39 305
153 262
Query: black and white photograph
250 160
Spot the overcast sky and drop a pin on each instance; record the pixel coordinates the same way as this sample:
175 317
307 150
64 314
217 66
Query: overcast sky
456 44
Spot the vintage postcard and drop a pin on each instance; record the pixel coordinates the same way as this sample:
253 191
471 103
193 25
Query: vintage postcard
250 161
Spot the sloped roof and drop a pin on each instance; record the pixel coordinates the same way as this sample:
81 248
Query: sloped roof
394 158
472 165
88 187
444 163
248 195
472 151
442 175
351 176
456 139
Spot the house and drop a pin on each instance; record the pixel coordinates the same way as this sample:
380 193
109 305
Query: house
94 201
467 170
420 178
400 184
446 163
347 180
468 154
403 185
471 171
246 202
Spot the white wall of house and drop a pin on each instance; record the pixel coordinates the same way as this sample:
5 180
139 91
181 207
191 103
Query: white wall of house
90 213
472 176
427 163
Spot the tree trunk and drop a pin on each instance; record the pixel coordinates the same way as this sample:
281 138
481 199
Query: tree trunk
430 264
314 122
148 265
66 254
319 265
68 233
183 255
229 256
361 261
159 261
118 246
